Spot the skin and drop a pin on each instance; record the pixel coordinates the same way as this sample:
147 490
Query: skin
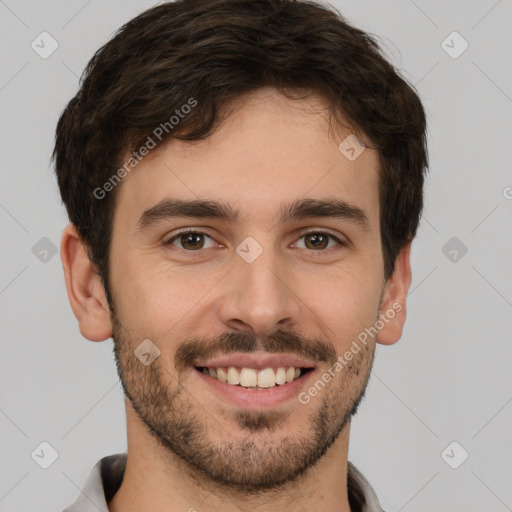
270 150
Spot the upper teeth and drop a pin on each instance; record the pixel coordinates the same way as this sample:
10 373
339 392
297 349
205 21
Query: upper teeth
249 377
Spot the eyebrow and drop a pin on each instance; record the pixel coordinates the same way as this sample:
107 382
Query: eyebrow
296 210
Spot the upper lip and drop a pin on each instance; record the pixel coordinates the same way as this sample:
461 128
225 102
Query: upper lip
256 360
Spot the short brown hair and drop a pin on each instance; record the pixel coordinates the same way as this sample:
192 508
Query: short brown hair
214 51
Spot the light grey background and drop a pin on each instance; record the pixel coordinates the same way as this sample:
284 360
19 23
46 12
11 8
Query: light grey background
447 380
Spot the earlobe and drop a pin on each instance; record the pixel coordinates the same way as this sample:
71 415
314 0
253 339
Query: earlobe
393 307
85 290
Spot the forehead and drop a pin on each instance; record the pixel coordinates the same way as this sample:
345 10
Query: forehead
268 152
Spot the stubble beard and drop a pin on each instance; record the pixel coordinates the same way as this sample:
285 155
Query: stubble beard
255 454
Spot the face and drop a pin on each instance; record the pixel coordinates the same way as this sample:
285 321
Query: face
266 292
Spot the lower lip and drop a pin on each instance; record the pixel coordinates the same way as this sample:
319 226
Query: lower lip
256 398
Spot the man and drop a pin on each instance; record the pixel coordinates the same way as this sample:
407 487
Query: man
244 181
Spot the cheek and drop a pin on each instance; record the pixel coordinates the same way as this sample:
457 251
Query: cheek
347 304
156 298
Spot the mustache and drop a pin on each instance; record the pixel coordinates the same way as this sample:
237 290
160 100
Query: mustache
193 349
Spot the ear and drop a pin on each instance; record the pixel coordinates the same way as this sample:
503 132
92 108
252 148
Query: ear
393 307
85 290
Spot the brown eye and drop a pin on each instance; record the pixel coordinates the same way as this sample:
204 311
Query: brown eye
192 241
318 240
189 240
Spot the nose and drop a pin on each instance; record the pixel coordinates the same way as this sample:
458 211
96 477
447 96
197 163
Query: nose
260 296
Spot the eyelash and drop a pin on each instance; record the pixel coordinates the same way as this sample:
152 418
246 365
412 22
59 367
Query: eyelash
196 232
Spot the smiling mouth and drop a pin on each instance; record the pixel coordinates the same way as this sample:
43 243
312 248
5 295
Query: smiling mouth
251 378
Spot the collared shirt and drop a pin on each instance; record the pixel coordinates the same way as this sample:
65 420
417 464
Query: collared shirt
107 475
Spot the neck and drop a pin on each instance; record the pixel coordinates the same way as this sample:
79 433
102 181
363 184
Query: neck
160 481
